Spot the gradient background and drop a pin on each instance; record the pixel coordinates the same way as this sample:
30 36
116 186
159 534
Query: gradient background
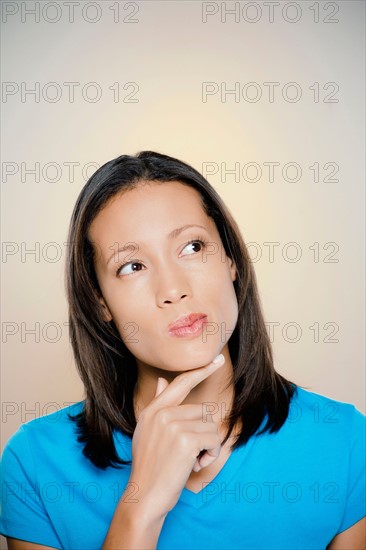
168 51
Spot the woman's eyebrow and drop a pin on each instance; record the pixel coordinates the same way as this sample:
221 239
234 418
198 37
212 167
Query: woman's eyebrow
172 235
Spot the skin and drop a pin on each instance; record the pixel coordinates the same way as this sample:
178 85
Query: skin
173 282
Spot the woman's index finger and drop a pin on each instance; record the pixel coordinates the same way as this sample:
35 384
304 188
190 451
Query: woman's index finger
180 387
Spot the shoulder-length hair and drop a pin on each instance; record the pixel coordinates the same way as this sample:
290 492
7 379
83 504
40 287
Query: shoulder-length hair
108 369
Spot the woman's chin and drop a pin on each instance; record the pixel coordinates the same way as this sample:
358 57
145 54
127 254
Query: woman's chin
191 361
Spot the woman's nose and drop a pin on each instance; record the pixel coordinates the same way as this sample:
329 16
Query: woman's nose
172 286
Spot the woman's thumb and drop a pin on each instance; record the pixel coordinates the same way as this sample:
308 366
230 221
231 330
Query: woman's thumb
161 385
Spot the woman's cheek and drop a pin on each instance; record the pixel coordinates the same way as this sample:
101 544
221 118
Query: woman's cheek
231 312
128 329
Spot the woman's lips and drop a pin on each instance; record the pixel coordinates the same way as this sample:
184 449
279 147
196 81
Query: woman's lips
189 326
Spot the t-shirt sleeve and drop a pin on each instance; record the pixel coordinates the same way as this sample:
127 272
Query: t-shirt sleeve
355 507
23 515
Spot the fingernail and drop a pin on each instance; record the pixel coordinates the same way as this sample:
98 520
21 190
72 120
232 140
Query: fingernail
219 359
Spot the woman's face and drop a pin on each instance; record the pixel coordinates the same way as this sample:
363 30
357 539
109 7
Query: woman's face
161 277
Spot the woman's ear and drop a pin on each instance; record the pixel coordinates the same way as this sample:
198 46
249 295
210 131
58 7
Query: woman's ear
106 313
232 269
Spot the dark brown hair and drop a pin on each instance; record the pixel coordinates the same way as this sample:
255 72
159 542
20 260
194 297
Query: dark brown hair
108 369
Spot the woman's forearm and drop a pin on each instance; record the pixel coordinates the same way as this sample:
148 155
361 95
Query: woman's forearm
133 528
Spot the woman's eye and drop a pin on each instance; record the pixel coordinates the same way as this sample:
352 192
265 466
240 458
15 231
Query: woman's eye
198 243
124 267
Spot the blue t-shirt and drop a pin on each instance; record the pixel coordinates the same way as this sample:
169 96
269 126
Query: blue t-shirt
294 489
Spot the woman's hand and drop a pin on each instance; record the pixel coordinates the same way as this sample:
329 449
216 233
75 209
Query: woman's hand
168 440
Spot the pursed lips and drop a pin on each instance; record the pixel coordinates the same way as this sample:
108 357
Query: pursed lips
186 320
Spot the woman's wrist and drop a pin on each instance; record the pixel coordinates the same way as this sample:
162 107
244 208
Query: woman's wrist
134 527
141 513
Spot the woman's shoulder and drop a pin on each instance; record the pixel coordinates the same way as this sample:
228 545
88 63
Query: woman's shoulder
312 400
325 414
52 430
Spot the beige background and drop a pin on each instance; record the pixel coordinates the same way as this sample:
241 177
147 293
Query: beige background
169 52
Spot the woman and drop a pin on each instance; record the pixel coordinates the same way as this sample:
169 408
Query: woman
173 448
